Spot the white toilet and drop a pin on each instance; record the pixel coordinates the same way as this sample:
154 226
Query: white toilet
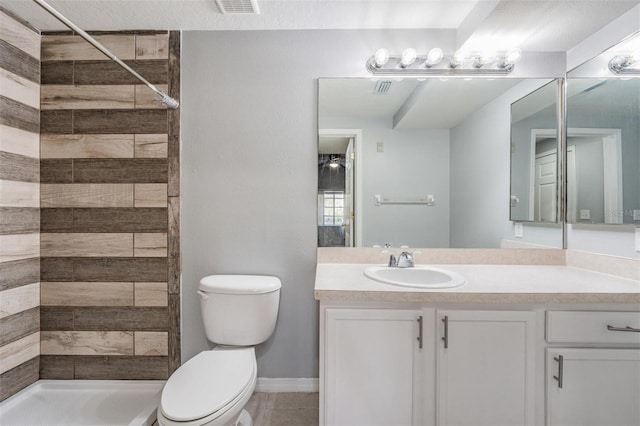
212 388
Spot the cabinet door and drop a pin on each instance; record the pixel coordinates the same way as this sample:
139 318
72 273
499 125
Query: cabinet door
485 368
372 367
593 387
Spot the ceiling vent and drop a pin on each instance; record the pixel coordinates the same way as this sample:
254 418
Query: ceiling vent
238 6
382 86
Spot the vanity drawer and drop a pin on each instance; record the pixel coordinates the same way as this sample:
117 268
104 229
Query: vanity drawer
593 327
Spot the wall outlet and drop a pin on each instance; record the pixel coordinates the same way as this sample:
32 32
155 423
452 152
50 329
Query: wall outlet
636 215
380 146
585 214
518 230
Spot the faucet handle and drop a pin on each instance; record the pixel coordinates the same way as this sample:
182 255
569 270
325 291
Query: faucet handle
405 260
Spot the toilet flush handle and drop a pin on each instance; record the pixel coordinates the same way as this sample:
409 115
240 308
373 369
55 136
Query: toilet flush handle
202 294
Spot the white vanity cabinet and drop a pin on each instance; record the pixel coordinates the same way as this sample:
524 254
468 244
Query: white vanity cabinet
373 363
592 384
394 366
485 368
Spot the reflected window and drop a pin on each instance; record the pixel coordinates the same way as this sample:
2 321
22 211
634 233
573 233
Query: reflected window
332 208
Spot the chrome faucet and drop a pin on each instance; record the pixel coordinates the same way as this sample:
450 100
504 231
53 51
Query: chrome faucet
405 260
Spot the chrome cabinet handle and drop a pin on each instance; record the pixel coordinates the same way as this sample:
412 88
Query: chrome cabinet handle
627 328
420 331
445 338
559 377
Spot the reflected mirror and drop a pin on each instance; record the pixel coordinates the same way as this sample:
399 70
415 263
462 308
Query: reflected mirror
534 156
603 142
421 163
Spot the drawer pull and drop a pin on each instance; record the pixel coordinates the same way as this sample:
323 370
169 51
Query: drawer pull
627 328
559 377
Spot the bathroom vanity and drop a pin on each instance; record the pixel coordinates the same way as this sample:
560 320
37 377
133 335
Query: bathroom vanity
514 345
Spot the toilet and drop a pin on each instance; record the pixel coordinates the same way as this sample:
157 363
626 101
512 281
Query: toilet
212 388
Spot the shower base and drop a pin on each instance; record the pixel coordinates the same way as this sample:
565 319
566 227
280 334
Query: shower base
83 403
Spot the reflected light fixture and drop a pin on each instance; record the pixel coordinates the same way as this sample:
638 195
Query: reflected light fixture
462 63
621 64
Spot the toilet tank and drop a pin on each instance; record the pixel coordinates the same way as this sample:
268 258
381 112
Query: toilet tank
239 310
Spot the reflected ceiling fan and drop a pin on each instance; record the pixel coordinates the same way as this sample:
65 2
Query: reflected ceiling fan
332 161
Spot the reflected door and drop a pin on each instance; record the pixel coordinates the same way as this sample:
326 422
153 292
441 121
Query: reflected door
349 215
545 200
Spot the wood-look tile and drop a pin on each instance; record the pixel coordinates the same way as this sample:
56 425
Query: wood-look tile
56 121
119 318
87 146
173 189
150 195
174 332
56 72
86 195
19 325
56 367
151 146
19 35
18 378
119 121
19 273
87 97
18 141
19 62
18 299
19 89
55 318
119 269
56 171
19 220
173 243
21 116
150 245
86 294
104 220
144 170
57 269
121 368
86 244
75 48
150 294
19 194
20 168
152 46
86 343
145 98
19 246
19 351
151 343
108 72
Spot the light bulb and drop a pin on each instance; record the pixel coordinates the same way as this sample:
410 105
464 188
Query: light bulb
408 57
381 57
458 58
512 55
433 57
483 58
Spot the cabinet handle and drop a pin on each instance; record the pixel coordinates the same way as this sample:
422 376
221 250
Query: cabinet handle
627 328
445 338
420 332
559 377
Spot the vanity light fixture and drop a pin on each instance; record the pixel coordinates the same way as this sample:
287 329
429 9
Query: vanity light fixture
621 64
409 63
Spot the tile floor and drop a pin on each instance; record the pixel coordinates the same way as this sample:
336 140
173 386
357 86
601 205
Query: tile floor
284 409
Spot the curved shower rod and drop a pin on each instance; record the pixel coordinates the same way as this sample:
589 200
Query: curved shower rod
167 100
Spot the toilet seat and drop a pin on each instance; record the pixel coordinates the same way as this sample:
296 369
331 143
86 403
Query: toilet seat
209 385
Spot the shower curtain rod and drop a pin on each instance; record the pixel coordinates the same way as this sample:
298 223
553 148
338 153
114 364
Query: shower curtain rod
167 100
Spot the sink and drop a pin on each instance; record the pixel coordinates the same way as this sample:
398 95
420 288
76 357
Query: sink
417 276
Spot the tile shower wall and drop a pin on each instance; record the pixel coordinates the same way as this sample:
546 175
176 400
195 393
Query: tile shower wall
19 204
109 197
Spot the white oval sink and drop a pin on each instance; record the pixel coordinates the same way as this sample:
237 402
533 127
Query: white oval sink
417 276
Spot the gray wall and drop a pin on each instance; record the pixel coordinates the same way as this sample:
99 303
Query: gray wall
249 141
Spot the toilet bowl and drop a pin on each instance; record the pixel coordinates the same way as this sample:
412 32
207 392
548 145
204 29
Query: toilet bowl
212 388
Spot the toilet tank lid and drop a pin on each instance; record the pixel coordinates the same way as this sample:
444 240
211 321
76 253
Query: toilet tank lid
239 284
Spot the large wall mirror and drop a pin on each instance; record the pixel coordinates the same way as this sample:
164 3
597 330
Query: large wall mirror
603 140
425 163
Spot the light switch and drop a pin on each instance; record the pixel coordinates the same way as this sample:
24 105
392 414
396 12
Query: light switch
585 214
518 230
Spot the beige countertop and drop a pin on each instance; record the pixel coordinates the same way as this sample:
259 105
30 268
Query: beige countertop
484 284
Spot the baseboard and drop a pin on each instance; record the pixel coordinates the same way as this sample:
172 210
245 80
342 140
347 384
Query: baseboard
266 384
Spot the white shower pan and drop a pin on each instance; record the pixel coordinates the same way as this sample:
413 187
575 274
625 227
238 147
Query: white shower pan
83 403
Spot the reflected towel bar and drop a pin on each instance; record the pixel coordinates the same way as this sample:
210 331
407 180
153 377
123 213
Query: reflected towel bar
379 200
